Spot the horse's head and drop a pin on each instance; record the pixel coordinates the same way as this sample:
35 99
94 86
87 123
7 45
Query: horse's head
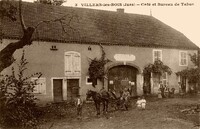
89 94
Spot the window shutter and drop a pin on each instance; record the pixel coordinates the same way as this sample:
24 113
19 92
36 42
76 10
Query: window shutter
77 63
159 55
72 63
183 58
68 63
164 78
155 55
43 86
36 89
40 85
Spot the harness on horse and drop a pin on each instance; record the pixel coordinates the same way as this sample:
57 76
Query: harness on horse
104 95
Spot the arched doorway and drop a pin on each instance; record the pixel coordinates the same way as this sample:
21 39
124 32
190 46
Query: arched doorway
122 76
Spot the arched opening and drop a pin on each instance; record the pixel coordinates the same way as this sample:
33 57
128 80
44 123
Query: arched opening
123 76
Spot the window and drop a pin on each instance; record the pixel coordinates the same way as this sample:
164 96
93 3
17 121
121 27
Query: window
157 55
183 58
72 63
89 81
40 85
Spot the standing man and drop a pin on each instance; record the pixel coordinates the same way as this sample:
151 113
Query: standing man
79 105
162 89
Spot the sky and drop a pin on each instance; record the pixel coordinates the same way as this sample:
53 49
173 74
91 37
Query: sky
182 15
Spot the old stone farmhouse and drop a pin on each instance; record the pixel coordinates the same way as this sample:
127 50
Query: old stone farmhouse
130 41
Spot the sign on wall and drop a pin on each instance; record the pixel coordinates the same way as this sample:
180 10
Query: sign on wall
124 57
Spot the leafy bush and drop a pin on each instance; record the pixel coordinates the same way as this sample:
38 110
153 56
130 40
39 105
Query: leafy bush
17 101
97 67
158 67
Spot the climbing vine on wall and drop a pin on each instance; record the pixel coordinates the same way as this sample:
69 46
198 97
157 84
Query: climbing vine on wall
158 68
192 74
97 67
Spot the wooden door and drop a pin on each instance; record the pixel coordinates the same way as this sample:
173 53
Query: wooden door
122 76
72 88
183 83
57 90
147 83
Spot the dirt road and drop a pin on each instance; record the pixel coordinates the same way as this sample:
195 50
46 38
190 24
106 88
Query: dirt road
159 114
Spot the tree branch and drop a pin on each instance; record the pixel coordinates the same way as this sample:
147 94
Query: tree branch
68 24
49 21
6 54
60 20
21 17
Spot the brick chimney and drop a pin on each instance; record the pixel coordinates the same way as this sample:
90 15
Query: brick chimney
120 10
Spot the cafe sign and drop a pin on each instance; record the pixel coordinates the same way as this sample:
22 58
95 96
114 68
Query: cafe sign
124 57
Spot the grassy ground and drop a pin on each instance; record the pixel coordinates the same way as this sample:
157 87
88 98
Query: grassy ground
159 114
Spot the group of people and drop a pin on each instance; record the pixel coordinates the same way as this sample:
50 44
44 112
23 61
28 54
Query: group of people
141 102
161 90
165 92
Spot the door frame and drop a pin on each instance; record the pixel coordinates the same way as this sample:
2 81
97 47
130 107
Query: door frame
131 66
73 77
184 82
64 87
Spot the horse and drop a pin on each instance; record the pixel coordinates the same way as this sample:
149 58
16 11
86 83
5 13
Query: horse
98 99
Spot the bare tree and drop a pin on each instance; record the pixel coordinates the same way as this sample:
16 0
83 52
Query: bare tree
6 54
51 2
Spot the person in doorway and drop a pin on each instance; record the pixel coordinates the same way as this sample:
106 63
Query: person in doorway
159 94
79 105
145 88
166 91
162 89
181 91
125 94
125 98
180 88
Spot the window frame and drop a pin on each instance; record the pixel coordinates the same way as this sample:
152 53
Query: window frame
39 90
155 50
89 83
76 71
186 52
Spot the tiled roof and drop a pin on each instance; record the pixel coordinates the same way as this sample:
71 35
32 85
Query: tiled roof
98 26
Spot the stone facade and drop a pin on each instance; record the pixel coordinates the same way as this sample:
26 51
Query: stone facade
52 64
